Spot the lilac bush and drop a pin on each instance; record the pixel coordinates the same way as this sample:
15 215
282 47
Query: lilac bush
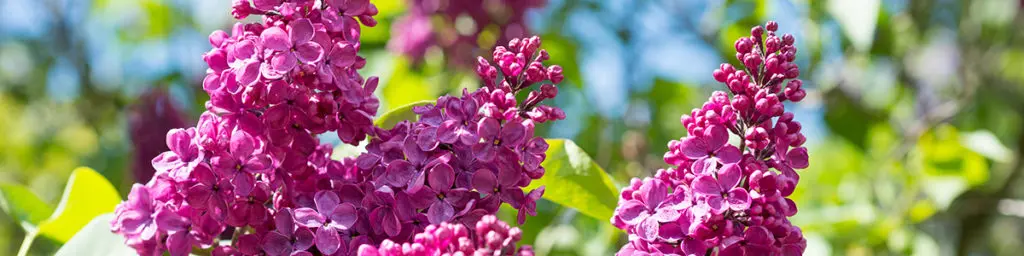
494 23
719 198
253 178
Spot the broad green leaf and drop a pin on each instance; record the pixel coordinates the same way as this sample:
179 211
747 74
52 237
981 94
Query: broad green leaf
96 239
405 86
20 203
87 195
393 117
574 180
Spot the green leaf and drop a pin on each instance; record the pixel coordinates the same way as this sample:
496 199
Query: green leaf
405 86
393 117
87 195
96 239
574 180
19 202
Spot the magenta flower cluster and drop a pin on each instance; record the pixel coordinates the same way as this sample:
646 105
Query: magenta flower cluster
489 236
719 198
253 178
467 25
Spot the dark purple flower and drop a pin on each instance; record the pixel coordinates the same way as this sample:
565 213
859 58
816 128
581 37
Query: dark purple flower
241 162
495 137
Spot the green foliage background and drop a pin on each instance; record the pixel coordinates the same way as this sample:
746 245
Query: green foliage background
914 106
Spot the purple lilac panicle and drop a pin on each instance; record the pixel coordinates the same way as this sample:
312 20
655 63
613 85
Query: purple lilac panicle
253 164
720 198
465 26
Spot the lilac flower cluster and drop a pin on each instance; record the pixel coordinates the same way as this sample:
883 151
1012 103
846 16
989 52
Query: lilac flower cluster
720 198
489 237
500 20
252 177
148 123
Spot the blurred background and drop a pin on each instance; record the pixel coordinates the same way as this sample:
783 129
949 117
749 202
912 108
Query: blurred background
913 114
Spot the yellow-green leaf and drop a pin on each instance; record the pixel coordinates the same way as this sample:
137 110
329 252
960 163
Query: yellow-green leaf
574 180
393 117
23 205
87 195
96 239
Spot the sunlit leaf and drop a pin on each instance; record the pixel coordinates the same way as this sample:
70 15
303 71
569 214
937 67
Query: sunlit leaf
396 115
985 143
404 86
19 202
857 19
87 195
574 180
96 239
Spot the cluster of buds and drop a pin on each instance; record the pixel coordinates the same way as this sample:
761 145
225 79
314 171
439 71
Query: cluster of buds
717 197
252 177
465 24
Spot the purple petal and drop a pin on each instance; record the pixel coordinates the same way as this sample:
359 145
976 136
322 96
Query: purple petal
653 192
300 31
168 220
275 38
327 240
512 133
326 201
729 176
309 52
446 131
488 129
485 181
693 247
739 199
797 158
648 229
509 176
178 141
284 222
439 212
427 139
666 214
716 136
303 239
248 72
242 144
259 164
344 216
671 231
178 244
716 203
416 183
166 161
442 177
276 244
309 218
398 173
729 154
632 212
391 224
758 235
198 195
694 147
706 185
484 151
243 183
283 62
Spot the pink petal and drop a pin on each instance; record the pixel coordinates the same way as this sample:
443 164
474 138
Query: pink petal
716 137
344 215
797 158
275 38
442 177
309 52
248 73
484 181
439 212
729 154
300 31
632 212
327 240
326 201
283 62
706 185
694 147
739 199
242 144
729 176
308 217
